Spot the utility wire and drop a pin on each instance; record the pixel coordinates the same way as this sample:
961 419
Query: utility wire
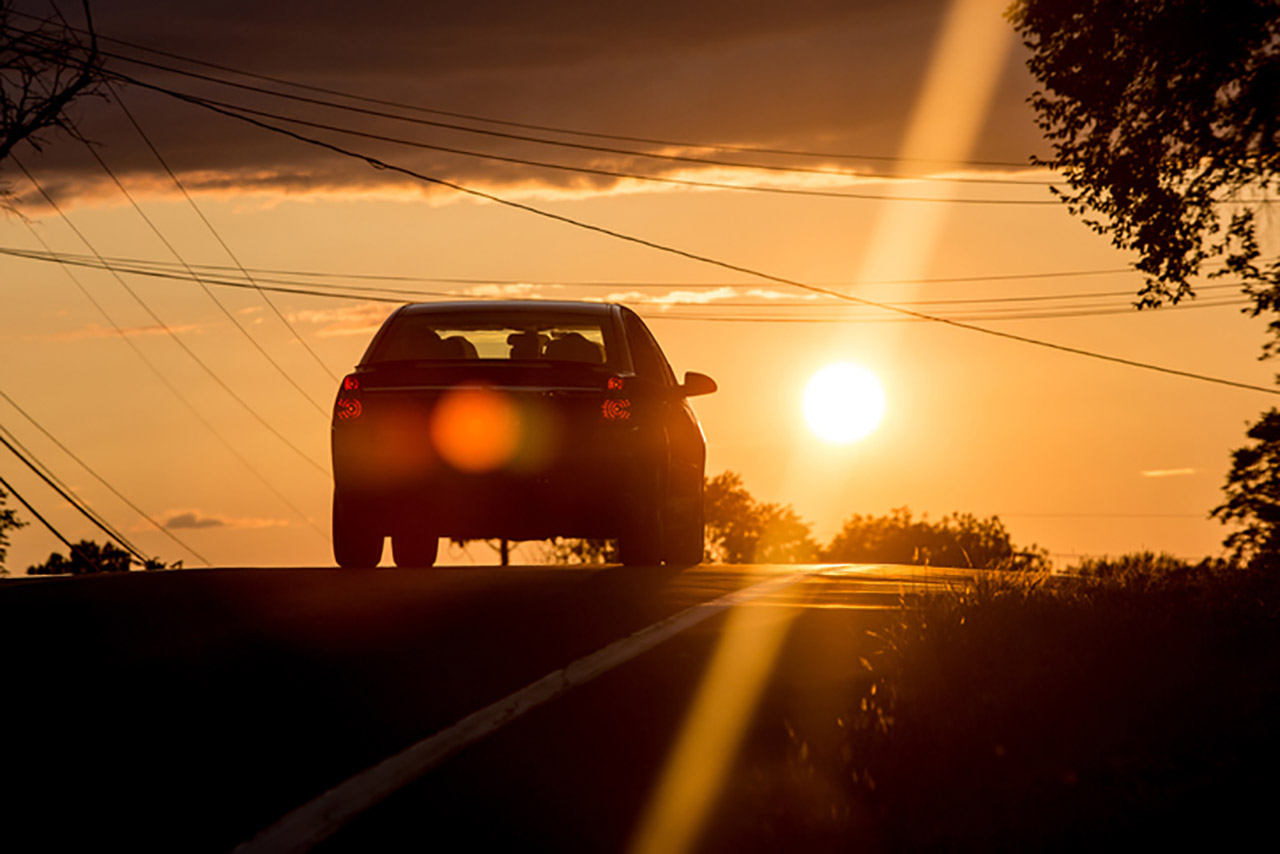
208 370
88 514
161 528
368 295
217 236
46 472
737 268
234 321
541 127
71 550
146 360
616 285
235 109
603 149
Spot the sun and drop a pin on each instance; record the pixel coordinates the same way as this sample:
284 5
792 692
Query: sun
843 402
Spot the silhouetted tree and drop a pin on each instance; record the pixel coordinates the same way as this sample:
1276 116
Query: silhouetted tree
572 550
1159 112
88 557
44 67
1253 493
960 540
9 521
739 529
743 530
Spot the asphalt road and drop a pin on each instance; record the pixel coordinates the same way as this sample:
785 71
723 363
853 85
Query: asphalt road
192 710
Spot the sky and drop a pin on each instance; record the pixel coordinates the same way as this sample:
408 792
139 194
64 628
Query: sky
919 193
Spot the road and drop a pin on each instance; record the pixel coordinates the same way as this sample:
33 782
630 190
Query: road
194 710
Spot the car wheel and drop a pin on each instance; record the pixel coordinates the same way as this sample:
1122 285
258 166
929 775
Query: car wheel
356 544
683 541
641 543
414 548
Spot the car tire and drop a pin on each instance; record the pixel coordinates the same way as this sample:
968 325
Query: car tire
414 548
356 543
641 543
683 541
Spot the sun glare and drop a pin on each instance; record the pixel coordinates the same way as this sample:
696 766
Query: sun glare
843 403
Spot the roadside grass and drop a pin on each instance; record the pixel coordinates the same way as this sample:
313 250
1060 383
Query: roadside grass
1135 702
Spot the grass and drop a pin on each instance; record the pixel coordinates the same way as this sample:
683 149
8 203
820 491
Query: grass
1135 702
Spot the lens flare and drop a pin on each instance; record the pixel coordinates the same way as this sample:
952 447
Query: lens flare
476 429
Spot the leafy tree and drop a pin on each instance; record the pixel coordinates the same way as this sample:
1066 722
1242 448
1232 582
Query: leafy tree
961 540
8 521
739 529
1253 493
1164 116
743 530
88 557
572 550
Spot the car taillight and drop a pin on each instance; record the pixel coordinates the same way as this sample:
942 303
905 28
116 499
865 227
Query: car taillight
348 407
616 406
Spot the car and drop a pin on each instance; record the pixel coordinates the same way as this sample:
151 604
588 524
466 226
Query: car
520 420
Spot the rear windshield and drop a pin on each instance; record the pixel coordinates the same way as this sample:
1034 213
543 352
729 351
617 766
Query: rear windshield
520 337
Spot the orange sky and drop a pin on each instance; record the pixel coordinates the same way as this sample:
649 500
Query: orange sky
1080 456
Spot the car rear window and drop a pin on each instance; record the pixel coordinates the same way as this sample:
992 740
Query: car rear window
519 337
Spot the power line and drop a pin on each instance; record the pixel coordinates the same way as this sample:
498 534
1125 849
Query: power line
145 359
227 108
84 511
209 225
595 283
181 344
161 528
71 550
234 321
603 149
541 127
370 295
738 268
47 474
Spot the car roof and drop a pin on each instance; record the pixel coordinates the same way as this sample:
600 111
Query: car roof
532 306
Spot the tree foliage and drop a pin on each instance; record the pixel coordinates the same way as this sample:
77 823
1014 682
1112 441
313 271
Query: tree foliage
87 557
44 67
9 521
1164 116
1253 493
743 530
960 540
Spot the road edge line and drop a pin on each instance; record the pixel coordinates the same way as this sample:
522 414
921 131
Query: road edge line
306 826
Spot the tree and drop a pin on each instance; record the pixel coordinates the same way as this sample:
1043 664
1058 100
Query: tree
88 557
43 68
1164 116
8 521
743 530
961 540
1253 493
739 529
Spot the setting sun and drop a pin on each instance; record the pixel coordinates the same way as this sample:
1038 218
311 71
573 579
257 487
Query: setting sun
843 402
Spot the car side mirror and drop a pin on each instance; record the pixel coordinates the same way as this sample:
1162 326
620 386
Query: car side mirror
696 384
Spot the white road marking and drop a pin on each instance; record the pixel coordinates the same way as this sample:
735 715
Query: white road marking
315 821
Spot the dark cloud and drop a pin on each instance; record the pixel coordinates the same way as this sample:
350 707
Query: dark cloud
192 520
830 75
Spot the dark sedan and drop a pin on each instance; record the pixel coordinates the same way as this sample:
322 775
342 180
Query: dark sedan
516 420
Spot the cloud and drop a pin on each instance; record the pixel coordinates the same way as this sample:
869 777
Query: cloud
192 519
361 319
818 75
1167 472
95 330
